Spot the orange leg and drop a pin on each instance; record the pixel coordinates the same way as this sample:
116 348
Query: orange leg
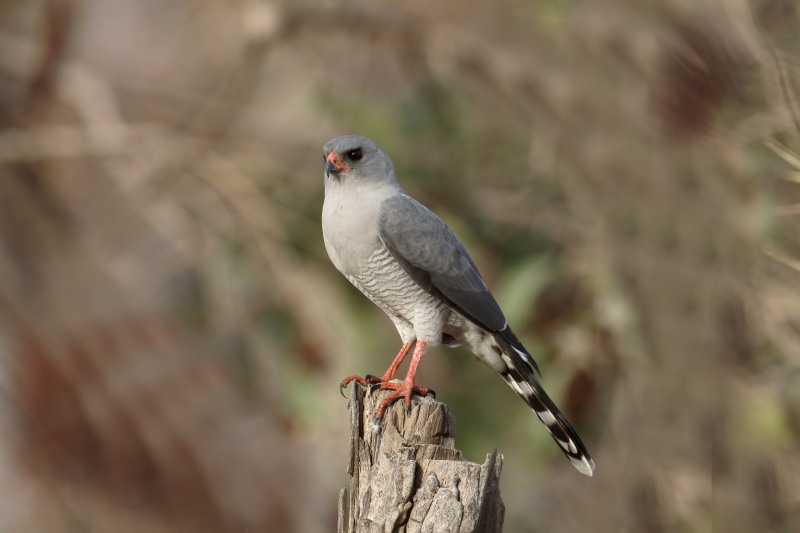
387 376
405 388
392 370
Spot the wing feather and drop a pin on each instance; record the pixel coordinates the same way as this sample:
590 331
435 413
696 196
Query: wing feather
434 257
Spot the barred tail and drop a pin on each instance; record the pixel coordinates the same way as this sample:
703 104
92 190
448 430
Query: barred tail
519 375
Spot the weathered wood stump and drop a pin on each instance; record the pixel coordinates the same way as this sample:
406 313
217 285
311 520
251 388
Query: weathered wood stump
407 476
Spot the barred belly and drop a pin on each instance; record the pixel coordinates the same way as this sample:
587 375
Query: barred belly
416 313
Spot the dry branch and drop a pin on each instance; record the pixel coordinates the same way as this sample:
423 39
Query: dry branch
407 476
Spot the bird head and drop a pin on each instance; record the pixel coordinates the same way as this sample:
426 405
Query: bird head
358 159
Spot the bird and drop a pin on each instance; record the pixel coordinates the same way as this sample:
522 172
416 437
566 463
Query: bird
409 263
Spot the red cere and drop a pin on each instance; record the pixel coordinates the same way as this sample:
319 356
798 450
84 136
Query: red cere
336 162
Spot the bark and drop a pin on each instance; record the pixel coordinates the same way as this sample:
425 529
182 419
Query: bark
407 476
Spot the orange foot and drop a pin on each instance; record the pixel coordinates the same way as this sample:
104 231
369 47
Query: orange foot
367 381
387 376
402 389
373 382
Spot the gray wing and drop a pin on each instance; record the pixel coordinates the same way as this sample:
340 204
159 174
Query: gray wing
433 256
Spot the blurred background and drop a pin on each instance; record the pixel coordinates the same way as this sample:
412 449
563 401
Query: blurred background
626 174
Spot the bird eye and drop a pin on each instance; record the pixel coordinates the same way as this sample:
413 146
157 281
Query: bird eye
355 155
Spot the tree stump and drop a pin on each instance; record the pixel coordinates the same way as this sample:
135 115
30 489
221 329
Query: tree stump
407 476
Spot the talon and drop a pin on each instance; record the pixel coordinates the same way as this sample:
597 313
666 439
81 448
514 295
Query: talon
361 381
376 422
372 382
345 382
369 382
432 393
408 403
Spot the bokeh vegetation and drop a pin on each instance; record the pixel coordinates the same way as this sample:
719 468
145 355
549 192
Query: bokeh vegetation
626 175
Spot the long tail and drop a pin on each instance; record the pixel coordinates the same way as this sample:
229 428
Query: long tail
520 376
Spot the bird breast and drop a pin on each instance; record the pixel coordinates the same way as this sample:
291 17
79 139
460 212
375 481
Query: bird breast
384 281
350 230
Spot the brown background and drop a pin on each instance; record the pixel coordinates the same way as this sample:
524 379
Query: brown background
624 173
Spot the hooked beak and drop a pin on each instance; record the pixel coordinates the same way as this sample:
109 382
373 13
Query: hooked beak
333 165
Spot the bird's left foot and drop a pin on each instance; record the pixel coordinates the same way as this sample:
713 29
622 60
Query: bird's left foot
402 389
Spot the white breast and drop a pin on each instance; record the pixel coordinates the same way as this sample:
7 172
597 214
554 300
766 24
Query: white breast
350 226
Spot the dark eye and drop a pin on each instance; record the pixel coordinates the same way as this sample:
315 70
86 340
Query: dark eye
355 155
